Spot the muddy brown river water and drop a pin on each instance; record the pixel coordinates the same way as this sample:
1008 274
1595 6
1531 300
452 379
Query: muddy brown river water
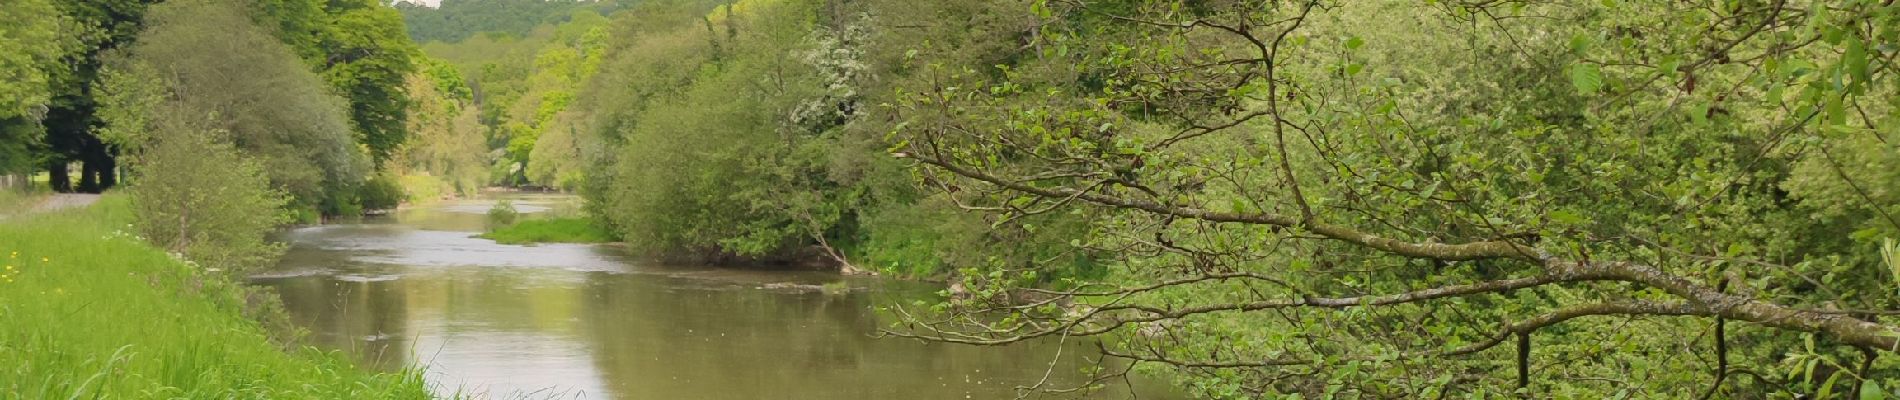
582 321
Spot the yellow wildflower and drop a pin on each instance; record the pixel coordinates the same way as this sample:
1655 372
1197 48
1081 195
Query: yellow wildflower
44 259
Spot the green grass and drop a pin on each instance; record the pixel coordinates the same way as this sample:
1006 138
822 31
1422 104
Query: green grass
88 311
552 230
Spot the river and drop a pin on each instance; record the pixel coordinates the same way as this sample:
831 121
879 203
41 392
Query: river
585 321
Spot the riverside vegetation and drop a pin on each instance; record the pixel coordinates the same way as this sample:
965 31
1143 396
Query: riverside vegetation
1288 198
1270 198
93 311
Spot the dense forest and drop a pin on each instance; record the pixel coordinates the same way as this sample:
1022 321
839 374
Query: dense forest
1254 199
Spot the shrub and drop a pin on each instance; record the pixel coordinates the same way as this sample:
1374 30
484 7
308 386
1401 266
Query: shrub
195 196
502 214
554 230
382 192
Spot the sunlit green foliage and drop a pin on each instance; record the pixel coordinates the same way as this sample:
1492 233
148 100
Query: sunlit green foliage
69 120
457 20
446 145
523 84
739 131
1255 163
30 49
360 49
552 230
742 193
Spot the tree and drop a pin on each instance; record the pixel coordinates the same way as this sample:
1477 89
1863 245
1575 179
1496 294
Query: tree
447 142
1426 199
69 120
197 192
369 57
30 52
458 20
203 65
359 48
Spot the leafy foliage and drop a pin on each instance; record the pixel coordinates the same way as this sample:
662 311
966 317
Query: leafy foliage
502 214
447 142
457 20
382 192
553 230
30 50
1324 198
198 197
202 65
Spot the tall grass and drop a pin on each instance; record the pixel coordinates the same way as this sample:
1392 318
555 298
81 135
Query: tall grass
15 201
88 311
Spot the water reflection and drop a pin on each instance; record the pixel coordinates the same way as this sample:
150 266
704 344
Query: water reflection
586 322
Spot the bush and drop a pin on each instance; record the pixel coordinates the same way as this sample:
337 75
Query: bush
197 197
502 214
340 202
554 230
382 192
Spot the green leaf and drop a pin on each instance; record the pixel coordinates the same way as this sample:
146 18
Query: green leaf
1568 217
1581 43
1870 390
1855 60
1586 77
1827 388
1353 43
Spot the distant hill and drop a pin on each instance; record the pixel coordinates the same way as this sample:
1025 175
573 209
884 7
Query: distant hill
455 20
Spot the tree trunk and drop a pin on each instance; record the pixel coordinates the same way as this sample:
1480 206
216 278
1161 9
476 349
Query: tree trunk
58 177
89 176
108 172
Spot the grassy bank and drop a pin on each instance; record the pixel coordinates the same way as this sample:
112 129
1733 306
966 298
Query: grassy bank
88 311
552 230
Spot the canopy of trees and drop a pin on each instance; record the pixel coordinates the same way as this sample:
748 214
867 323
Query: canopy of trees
1415 200
1290 198
447 145
60 47
457 20
204 65
30 53
1368 199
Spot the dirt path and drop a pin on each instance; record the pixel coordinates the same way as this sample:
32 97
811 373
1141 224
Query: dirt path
55 203
64 201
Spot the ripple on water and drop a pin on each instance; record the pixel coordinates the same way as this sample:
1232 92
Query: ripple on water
396 245
366 278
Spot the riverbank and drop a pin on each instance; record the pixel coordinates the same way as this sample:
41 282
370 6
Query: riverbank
89 311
